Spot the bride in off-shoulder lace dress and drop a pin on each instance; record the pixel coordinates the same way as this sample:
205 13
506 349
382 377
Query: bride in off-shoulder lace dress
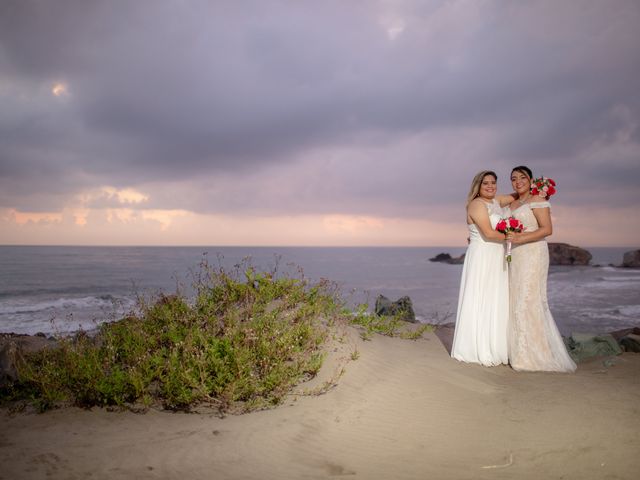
535 344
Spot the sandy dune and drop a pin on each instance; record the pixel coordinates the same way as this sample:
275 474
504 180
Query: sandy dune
402 410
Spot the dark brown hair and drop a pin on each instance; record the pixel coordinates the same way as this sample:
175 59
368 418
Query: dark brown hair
524 170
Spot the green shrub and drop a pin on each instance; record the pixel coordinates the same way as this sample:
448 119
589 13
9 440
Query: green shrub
239 345
392 326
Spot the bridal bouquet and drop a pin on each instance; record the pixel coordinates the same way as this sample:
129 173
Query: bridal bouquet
506 225
543 186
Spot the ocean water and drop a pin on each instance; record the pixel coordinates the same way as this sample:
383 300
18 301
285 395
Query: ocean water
62 289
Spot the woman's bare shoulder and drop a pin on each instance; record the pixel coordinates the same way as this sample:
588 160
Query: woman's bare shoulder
476 203
539 199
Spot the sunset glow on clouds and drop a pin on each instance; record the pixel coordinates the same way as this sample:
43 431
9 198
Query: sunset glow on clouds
22 218
126 226
59 89
169 123
166 227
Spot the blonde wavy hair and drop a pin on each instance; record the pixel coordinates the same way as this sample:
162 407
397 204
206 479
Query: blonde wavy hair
474 192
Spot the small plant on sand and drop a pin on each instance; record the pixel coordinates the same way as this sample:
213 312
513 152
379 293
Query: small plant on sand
242 343
392 326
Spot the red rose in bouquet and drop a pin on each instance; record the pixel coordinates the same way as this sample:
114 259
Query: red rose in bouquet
543 186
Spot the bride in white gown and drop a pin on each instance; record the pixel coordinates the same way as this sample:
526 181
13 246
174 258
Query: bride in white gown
483 304
535 344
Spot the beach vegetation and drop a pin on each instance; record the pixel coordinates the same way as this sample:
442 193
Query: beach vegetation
242 343
389 325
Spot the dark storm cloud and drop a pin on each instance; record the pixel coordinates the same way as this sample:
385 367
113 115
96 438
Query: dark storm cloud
238 91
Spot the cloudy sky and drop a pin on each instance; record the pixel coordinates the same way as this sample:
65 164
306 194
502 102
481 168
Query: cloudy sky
181 122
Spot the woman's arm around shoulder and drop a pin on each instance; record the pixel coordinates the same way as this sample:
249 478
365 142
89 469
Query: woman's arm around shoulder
477 211
505 200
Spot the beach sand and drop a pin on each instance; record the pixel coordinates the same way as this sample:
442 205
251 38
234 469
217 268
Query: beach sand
402 410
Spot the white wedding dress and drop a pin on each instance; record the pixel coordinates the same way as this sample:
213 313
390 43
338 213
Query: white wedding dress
535 344
483 304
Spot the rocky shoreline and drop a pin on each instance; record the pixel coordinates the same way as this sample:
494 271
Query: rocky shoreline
581 346
559 254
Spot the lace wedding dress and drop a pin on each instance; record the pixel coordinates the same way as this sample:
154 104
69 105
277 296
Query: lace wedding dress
483 304
535 344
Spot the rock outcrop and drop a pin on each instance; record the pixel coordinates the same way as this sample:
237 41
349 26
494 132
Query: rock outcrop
565 254
13 347
629 339
403 308
631 259
446 258
586 345
559 254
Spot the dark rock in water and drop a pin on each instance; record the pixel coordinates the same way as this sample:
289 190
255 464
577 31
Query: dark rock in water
631 259
441 257
403 308
565 254
620 334
12 349
446 258
457 260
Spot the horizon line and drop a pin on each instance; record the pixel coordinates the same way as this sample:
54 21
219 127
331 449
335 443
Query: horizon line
266 246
